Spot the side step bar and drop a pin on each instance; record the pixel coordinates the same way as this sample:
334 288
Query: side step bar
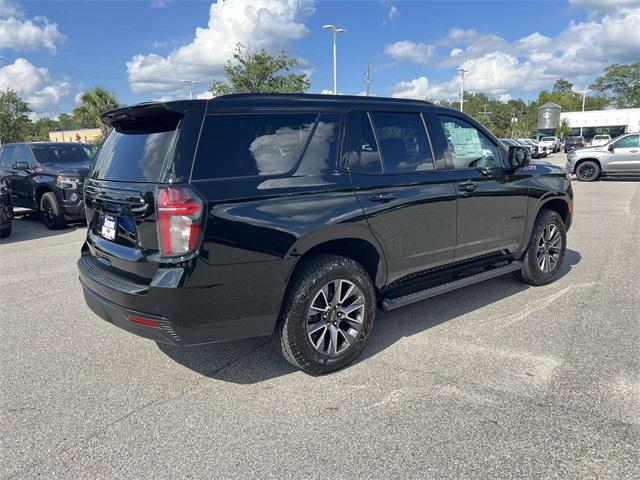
393 303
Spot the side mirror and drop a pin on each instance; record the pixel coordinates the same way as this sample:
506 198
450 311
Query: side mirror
21 166
611 148
519 157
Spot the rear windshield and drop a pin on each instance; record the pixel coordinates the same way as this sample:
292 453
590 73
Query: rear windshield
133 157
62 153
575 139
548 139
601 137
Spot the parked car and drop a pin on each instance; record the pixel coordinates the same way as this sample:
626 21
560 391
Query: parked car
533 149
6 209
47 177
571 143
599 140
540 151
552 144
619 157
245 215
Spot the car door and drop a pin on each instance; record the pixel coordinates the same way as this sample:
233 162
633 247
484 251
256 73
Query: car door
410 206
624 157
19 183
491 196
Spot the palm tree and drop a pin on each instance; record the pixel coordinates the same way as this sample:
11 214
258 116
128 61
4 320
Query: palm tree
94 103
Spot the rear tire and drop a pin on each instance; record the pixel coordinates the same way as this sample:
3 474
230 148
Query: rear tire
51 213
544 256
328 314
587 171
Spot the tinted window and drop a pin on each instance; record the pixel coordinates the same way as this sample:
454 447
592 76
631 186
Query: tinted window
7 155
548 139
468 147
320 155
363 150
627 142
133 157
252 144
403 142
61 153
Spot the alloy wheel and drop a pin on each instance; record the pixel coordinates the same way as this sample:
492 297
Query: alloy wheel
549 248
587 171
335 317
47 212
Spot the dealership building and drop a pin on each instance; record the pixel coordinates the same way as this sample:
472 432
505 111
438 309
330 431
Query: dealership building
589 123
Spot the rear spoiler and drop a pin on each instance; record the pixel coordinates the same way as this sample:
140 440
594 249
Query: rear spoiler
147 117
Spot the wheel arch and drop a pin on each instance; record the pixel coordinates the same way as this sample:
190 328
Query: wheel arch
355 244
40 191
588 159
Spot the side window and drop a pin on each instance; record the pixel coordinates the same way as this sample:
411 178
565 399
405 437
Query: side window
247 145
320 155
363 150
627 142
22 155
468 147
7 156
403 142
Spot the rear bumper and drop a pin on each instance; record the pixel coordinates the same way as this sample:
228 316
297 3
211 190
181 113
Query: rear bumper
182 317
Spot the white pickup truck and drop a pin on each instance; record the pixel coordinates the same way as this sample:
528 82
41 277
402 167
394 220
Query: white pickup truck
552 144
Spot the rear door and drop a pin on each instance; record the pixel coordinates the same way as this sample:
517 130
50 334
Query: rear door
625 157
410 206
491 197
148 150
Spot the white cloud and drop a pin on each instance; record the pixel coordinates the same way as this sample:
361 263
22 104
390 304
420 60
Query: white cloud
419 53
160 3
256 24
497 67
24 34
393 13
35 85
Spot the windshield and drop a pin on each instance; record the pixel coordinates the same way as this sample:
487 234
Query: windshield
574 139
601 137
548 139
62 153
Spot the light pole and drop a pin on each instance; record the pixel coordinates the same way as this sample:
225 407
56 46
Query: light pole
584 99
462 72
191 83
335 31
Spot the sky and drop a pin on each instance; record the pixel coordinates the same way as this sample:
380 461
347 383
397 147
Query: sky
141 50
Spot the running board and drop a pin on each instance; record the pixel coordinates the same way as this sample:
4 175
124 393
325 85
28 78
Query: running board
393 303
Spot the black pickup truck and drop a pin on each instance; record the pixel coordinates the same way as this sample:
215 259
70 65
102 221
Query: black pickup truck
301 215
47 177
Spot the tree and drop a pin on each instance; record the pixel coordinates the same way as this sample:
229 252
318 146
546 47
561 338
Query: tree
15 124
620 84
563 129
261 72
562 86
93 103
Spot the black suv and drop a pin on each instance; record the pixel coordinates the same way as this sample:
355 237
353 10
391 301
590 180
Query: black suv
300 215
47 177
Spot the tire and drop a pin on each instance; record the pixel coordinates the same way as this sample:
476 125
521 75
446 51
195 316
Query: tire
548 240
51 213
307 330
587 171
5 230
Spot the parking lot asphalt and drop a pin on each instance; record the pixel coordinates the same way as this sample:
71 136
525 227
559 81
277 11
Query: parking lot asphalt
498 380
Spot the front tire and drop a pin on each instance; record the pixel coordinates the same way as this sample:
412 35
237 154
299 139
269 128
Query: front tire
587 171
51 213
5 230
328 314
544 256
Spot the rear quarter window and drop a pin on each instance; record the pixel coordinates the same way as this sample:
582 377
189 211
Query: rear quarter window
246 145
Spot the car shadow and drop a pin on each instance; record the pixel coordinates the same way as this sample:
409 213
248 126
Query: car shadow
258 359
27 226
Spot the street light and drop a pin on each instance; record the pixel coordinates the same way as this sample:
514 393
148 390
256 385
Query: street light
584 98
191 83
335 31
462 72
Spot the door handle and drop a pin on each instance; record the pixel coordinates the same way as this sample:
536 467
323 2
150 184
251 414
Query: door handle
383 197
468 187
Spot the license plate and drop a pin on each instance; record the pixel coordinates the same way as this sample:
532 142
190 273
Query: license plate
109 226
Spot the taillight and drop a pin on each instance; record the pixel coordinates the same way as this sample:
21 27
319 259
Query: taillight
179 214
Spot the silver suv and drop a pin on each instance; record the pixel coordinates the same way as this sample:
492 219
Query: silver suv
621 156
